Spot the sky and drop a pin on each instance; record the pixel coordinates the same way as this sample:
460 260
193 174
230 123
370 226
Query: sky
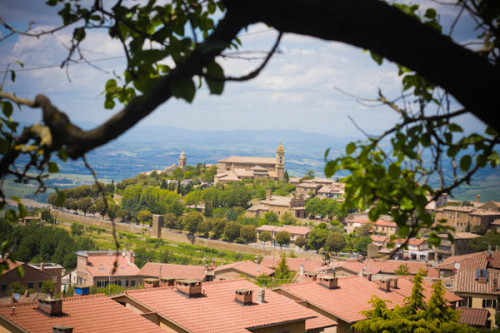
309 85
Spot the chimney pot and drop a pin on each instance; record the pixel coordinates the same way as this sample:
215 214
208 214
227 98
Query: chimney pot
50 306
329 282
384 285
261 296
301 269
243 296
190 288
256 259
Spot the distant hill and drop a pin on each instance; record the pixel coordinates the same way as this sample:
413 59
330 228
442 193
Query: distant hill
154 147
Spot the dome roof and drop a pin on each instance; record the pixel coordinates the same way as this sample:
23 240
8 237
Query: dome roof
280 148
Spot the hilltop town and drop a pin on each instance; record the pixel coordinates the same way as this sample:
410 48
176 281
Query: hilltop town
246 246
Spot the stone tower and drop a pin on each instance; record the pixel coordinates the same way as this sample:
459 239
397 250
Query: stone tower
182 161
158 222
280 161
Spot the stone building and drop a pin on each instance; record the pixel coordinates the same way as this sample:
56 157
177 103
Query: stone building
97 268
237 168
462 217
293 205
34 276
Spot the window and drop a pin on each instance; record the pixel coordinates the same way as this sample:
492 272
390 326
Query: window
31 285
98 284
489 303
4 286
132 283
40 284
466 302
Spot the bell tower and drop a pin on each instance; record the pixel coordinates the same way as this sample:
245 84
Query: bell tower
182 161
280 161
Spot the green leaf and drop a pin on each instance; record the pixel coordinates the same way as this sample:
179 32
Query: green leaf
11 215
53 168
109 104
378 58
22 210
20 271
215 78
330 168
7 109
51 3
183 88
79 34
394 171
110 84
350 148
430 13
61 153
15 198
327 152
455 128
465 163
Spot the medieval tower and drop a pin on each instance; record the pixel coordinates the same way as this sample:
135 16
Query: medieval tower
280 161
182 161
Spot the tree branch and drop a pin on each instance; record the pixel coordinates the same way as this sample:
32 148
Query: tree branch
471 79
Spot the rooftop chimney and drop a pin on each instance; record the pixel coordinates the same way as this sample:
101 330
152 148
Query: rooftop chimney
62 329
394 283
478 198
329 282
261 296
301 270
384 285
190 288
256 259
50 306
151 283
312 275
243 296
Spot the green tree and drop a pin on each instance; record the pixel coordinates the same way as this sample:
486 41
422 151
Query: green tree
288 219
48 287
76 229
192 222
17 288
170 221
265 236
335 242
482 243
310 174
205 227
232 231
144 216
403 269
300 242
271 217
282 237
247 233
46 216
218 227
317 238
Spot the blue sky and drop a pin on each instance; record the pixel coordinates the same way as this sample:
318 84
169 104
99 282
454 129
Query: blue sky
298 89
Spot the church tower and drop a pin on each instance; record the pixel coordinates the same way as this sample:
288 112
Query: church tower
182 161
280 161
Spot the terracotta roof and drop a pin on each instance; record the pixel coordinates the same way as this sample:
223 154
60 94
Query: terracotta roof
345 302
466 282
95 313
11 265
432 272
152 269
246 267
353 266
293 263
411 241
472 261
482 212
474 317
217 310
228 176
405 285
377 238
390 266
243 172
102 264
256 208
277 200
247 159
309 185
292 229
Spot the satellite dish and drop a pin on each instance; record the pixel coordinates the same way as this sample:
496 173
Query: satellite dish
17 296
457 266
